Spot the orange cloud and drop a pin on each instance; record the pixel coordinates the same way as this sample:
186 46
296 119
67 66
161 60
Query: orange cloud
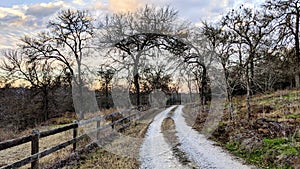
124 5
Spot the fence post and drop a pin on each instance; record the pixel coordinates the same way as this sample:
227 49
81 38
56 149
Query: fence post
98 132
35 147
75 134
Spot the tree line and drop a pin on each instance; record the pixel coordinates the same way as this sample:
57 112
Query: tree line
257 50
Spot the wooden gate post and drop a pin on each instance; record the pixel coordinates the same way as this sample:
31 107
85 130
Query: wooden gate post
35 147
75 132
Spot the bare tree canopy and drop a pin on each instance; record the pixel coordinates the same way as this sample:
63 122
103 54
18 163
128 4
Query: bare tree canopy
67 41
136 33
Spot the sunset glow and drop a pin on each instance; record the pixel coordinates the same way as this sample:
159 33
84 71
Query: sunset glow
18 18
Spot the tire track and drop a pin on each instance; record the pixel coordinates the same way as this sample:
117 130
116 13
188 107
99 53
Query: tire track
155 153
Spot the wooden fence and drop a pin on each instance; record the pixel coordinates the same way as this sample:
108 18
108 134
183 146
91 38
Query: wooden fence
126 117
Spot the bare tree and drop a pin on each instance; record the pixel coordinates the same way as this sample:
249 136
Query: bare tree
221 43
251 29
40 74
134 34
156 77
106 75
67 40
198 58
286 17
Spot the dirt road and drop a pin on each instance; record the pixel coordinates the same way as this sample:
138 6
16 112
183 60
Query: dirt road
155 153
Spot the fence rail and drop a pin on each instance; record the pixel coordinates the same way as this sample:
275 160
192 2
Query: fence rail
36 135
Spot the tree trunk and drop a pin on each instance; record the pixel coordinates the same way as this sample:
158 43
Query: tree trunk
198 84
252 71
297 80
80 85
190 89
297 47
204 87
230 108
137 88
229 99
45 104
136 77
106 90
106 95
229 92
248 85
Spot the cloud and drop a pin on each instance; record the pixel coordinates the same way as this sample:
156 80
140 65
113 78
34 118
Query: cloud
201 10
10 18
96 6
43 10
8 35
124 5
35 22
78 2
193 10
14 10
17 20
38 15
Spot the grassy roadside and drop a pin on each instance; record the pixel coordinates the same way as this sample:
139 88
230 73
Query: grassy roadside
103 158
88 155
19 152
269 139
16 153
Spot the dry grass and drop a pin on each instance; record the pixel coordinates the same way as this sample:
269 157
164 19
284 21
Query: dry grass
128 149
101 158
168 125
17 153
100 113
104 157
11 133
281 106
7 134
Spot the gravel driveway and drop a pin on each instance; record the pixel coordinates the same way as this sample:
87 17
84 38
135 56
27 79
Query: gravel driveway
155 152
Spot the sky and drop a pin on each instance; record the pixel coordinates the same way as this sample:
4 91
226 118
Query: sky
23 17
